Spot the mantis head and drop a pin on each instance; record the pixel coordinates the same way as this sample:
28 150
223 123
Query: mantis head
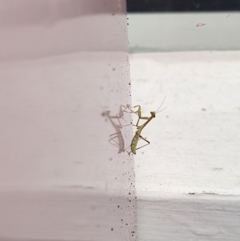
153 114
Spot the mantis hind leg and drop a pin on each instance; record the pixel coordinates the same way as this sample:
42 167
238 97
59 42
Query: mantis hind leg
148 142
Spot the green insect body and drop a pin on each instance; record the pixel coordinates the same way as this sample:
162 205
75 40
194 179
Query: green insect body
137 135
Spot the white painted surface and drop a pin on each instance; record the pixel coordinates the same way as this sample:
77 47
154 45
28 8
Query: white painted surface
187 217
195 140
188 177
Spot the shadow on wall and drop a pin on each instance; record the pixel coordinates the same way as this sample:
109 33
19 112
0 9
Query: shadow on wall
116 138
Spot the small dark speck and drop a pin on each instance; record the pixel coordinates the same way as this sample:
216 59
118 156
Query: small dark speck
167 116
104 113
203 109
191 193
112 229
127 23
110 159
113 69
129 83
200 24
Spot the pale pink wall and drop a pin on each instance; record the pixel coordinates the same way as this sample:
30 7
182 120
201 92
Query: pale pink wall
62 65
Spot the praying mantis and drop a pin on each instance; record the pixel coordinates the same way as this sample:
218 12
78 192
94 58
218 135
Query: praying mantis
137 135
